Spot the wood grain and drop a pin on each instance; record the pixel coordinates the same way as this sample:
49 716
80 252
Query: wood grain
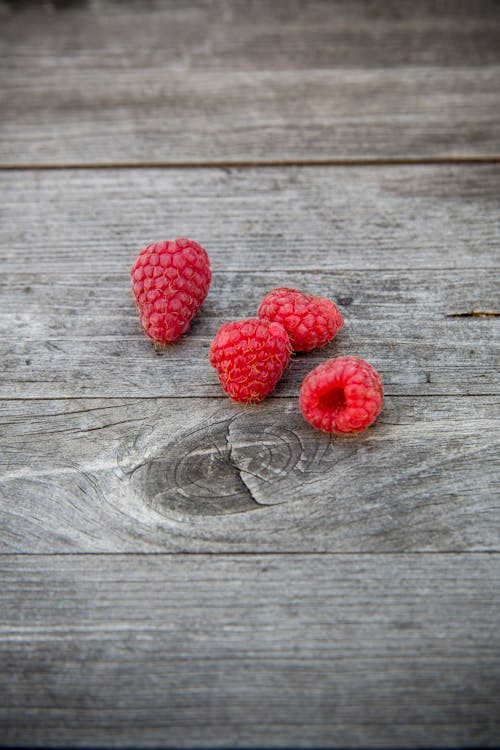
206 83
425 255
260 651
237 35
456 357
156 117
61 305
263 584
400 249
82 338
130 475
316 218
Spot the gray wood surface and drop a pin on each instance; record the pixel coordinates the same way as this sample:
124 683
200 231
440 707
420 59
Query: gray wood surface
404 251
250 651
229 83
143 602
235 34
304 218
459 357
177 474
224 117
436 352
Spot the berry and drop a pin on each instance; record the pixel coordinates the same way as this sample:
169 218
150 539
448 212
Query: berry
342 395
250 357
170 280
309 321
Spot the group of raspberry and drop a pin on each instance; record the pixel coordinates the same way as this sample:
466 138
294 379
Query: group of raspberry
170 281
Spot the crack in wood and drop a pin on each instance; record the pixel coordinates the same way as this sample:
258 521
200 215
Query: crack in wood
249 461
192 475
247 489
475 314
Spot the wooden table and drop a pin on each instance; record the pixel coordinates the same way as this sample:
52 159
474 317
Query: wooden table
181 571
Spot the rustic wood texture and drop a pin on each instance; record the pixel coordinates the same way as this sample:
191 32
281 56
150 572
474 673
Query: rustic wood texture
304 218
232 117
273 82
181 571
240 35
274 651
404 251
420 347
139 475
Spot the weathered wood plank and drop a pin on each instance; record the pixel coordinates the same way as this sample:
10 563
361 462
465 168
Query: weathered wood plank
85 344
174 651
314 218
132 475
169 84
458 357
60 305
68 294
170 650
234 34
157 117
82 338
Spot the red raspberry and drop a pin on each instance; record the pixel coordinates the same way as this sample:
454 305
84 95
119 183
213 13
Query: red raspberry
309 321
170 280
250 356
341 395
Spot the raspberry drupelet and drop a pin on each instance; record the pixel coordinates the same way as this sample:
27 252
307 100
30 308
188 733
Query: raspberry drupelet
342 395
310 322
250 356
170 281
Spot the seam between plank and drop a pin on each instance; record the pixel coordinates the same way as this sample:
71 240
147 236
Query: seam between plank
258 163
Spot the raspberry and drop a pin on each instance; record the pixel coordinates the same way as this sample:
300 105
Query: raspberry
250 356
170 280
342 395
309 321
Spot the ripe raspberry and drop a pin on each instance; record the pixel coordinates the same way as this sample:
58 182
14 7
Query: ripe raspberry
170 280
309 321
250 356
341 395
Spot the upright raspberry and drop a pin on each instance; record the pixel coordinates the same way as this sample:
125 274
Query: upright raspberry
309 321
342 395
170 280
250 356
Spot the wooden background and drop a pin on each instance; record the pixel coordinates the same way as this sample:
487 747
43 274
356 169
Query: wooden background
180 571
